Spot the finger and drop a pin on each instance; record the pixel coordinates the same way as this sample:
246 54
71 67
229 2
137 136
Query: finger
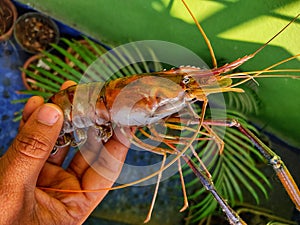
121 135
59 157
32 104
105 170
67 84
86 155
26 156
89 152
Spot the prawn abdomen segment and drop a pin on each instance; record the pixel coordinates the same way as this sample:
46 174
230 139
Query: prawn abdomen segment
83 107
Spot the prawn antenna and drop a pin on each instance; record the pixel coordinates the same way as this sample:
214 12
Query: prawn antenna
210 48
271 39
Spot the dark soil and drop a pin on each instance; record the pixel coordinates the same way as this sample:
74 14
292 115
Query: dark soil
6 17
35 34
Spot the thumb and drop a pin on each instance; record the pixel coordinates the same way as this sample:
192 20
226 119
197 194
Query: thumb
25 158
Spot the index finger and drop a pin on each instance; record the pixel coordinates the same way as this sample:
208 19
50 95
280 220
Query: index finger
104 171
67 84
32 104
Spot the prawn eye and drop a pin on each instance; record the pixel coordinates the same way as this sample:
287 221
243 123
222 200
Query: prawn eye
186 80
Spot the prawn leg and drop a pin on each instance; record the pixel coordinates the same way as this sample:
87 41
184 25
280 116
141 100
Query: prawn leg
206 181
272 158
156 190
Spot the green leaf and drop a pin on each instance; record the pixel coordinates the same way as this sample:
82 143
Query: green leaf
47 74
40 81
246 168
207 206
98 49
62 68
227 190
239 175
71 57
236 187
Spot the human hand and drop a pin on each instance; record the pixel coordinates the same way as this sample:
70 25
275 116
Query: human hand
26 166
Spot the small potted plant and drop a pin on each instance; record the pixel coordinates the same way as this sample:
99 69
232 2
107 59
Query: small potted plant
38 76
35 32
45 72
8 16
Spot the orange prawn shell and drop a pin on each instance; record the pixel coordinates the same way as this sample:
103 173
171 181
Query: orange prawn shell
146 96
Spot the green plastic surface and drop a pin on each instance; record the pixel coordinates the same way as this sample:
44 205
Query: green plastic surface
235 28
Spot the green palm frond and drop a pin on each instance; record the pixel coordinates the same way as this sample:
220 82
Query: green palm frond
246 103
